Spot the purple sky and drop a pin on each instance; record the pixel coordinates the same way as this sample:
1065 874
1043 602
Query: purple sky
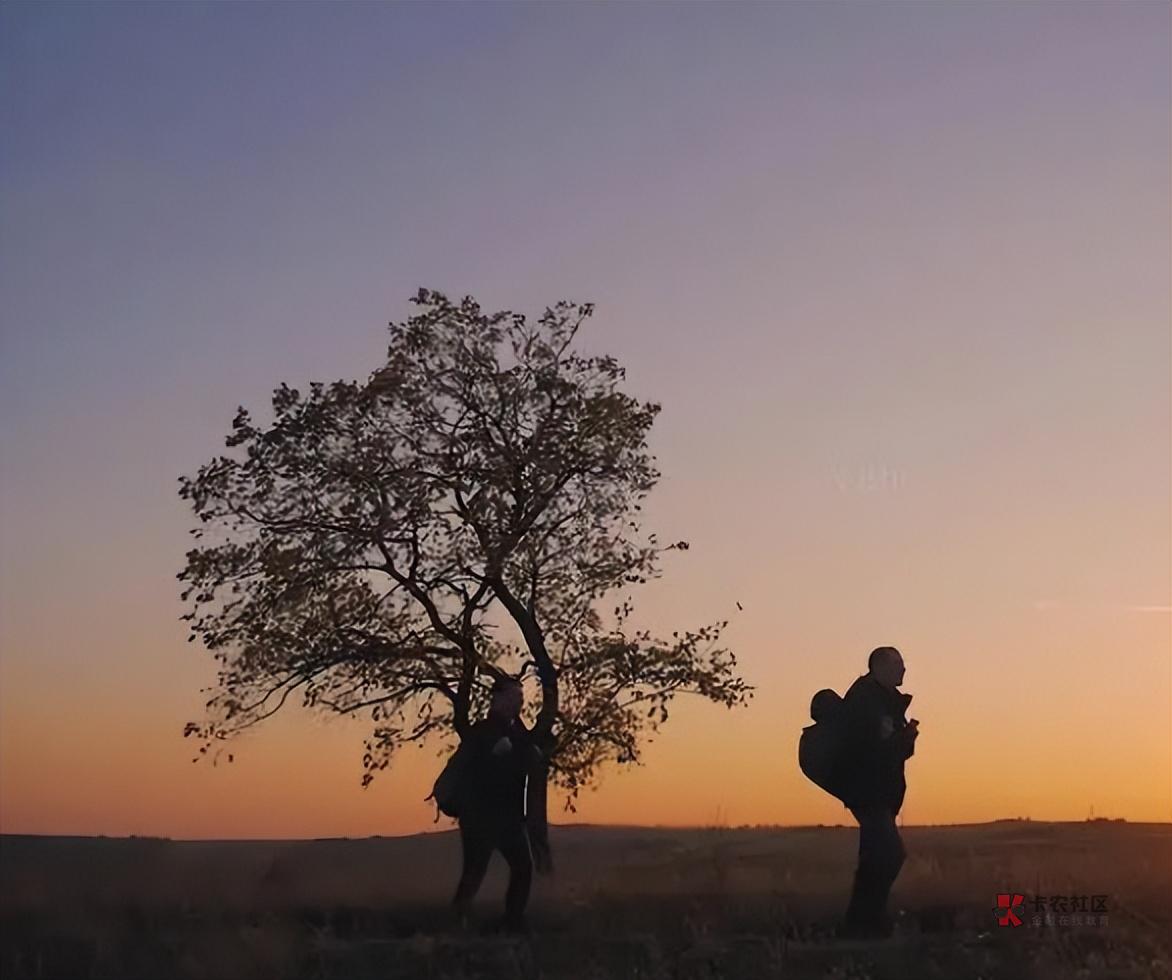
898 273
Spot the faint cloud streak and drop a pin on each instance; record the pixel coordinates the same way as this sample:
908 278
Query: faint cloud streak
1045 604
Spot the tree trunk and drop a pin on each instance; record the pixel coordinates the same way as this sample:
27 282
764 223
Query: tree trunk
538 786
536 814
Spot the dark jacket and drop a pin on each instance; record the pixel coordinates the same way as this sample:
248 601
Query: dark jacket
877 742
496 781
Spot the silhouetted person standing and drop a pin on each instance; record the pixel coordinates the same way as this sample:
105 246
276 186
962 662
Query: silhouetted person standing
503 752
878 740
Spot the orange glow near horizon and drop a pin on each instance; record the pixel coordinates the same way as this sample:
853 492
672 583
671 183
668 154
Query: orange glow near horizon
985 752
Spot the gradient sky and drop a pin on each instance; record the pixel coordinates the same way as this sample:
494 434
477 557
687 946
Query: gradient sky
899 275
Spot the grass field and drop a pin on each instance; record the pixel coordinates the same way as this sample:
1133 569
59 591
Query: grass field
624 902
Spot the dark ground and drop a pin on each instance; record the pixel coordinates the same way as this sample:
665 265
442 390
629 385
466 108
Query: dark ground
624 902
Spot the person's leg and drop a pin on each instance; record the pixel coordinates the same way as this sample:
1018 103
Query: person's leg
889 855
858 909
476 844
513 843
881 855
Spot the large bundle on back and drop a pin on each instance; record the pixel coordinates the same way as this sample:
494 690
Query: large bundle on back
821 746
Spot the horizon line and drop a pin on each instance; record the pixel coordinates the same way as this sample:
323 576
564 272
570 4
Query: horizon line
578 826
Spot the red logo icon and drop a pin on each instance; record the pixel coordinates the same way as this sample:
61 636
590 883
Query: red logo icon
1007 909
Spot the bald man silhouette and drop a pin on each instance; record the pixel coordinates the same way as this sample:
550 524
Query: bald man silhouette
878 741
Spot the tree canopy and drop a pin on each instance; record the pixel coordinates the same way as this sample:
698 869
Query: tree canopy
473 509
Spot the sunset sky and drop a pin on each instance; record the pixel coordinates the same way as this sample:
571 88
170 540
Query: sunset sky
897 273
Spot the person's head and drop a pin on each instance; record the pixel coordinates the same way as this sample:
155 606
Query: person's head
886 665
507 698
824 705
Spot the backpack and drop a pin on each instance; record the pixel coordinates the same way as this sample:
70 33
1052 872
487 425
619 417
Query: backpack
451 785
820 755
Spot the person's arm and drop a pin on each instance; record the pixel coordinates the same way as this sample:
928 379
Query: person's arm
905 739
534 752
861 724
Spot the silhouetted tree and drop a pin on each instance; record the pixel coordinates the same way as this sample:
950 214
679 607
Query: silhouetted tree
392 546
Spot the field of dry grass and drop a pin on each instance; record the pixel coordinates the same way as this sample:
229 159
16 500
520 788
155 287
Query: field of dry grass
624 902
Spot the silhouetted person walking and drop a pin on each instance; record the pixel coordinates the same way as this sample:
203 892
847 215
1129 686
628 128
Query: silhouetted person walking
502 753
878 740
